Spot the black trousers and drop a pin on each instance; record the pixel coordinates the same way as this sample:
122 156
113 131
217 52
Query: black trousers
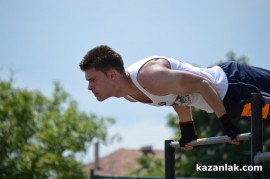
242 81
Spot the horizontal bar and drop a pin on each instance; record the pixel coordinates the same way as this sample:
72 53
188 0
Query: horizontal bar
261 157
130 177
213 140
123 177
266 99
127 177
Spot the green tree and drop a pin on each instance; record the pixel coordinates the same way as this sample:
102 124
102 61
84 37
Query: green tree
39 136
231 56
150 165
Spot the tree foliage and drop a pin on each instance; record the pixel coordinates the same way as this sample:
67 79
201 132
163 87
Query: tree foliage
39 136
150 165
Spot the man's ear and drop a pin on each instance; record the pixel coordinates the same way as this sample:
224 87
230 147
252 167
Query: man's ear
112 74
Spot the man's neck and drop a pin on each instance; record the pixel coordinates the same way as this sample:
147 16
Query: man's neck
125 86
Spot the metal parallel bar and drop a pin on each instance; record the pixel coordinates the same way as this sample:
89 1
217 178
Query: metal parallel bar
256 131
123 177
169 160
261 157
213 140
266 99
92 175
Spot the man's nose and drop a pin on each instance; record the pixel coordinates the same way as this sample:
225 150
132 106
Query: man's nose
90 87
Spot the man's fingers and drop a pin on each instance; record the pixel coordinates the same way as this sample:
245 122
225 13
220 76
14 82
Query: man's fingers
187 147
235 142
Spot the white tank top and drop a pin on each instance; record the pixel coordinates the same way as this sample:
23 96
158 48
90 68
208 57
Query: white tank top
215 74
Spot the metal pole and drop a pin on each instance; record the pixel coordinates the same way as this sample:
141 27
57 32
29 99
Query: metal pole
261 157
266 99
97 156
92 175
256 131
213 140
169 160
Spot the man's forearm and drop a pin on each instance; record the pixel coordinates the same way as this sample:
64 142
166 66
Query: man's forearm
184 113
212 98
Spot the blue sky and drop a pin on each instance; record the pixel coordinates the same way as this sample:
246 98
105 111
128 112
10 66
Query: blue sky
44 41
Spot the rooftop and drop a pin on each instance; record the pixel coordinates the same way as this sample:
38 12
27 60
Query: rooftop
121 162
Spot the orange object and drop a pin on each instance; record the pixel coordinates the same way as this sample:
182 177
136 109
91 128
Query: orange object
246 112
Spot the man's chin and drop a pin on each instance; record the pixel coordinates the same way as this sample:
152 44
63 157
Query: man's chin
101 99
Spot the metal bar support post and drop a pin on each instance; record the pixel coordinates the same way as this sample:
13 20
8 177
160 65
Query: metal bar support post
261 157
256 131
169 160
92 175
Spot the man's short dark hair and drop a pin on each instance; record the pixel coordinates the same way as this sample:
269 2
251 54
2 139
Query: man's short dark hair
102 58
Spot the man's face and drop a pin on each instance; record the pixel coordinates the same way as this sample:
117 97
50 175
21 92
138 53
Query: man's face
99 84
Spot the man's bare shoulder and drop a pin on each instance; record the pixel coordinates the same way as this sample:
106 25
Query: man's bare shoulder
152 67
161 62
153 71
